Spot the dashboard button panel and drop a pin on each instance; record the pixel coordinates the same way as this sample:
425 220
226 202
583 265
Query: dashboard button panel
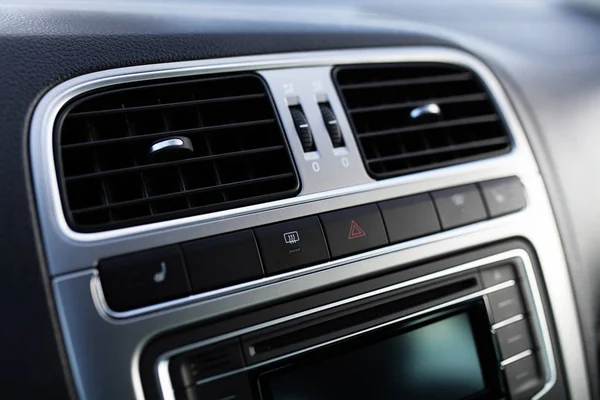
514 339
222 260
494 276
522 376
505 304
353 230
459 206
291 244
409 217
503 196
240 257
143 278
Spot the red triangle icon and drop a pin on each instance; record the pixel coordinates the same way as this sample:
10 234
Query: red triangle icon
355 231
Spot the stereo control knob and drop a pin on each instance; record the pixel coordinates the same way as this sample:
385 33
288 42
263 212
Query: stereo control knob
303 129
332 125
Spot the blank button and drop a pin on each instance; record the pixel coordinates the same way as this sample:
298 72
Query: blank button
503 196
459 206
409 217
505 303
514 339
223 260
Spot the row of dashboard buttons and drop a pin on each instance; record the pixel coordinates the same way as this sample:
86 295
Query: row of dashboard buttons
175 271
514 339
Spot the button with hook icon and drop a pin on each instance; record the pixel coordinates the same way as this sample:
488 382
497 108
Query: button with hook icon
144 278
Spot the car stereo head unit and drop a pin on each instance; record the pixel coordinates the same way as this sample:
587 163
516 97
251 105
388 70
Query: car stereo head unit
472 331
448 355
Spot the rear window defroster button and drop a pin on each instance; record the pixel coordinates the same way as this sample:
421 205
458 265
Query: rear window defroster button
291 244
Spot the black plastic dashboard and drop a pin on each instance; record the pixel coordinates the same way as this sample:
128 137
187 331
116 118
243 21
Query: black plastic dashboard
546 59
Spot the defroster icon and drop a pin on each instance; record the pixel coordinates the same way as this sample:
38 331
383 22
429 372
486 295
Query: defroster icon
291 237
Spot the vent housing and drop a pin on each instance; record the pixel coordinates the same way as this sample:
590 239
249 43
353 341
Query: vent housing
453 119
109 180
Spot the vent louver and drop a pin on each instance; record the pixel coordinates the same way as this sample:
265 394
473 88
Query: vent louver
415 117
120 165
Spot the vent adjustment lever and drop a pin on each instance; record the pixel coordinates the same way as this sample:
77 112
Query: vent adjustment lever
331 123
303 129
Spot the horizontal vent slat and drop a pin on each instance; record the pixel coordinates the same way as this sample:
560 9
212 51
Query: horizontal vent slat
407 82
437 125
157 150
169 84
160 135
167 105
141 168
440 164
413 117
186 193
435 151
398 106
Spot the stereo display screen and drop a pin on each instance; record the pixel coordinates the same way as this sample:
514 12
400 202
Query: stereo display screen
437 361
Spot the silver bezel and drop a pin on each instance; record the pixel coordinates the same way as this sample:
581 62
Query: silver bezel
103 346
74 251
530 288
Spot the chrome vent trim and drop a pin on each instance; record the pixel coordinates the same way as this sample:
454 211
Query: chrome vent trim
51 210
134 154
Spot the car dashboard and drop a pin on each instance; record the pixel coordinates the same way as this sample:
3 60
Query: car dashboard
276 201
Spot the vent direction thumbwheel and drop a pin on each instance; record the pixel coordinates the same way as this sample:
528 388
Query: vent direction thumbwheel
415 117
171 147
142 153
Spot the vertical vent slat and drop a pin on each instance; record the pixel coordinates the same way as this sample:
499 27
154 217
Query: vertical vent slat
110 179
415 117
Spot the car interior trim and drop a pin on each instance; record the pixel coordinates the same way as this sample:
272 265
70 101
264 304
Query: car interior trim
69 250
73 256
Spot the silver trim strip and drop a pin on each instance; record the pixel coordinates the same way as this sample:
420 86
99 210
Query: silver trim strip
162 364
507 322
515 358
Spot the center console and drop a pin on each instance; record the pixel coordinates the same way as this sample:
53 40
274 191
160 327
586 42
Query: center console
441 330
346 224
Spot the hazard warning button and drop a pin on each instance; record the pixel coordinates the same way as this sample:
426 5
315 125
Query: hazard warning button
354 230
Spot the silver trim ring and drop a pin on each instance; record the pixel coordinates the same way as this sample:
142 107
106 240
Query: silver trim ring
42 150
532 291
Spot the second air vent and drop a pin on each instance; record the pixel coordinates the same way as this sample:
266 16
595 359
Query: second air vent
160 150
415 117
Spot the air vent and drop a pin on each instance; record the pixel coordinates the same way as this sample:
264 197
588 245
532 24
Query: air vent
415 117
155 151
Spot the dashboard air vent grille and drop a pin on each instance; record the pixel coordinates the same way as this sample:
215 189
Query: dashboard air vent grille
414 117
161 150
